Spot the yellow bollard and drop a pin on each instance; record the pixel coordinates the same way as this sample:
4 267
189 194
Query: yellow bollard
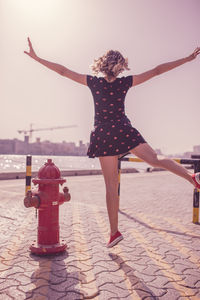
196 206
28 173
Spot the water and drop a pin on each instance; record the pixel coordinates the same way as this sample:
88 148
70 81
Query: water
17 163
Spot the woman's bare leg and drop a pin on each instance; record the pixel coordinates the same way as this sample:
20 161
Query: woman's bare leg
109 165
146 153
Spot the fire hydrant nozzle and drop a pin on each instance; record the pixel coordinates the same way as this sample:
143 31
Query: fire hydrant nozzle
66 194
31 201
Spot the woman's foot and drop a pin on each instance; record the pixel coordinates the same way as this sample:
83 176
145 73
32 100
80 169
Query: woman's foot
196 179
114 239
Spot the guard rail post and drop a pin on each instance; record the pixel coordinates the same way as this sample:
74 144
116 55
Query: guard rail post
28 173
119 177
196 196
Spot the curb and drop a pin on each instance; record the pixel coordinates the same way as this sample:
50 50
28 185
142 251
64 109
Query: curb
64 173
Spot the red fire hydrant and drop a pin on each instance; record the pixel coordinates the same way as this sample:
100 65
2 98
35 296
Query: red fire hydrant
47 200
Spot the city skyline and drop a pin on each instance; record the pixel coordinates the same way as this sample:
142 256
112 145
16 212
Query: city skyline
15 146
46 147
74 32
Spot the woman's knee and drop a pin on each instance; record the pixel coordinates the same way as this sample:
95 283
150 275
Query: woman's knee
158 160
146 153
154 160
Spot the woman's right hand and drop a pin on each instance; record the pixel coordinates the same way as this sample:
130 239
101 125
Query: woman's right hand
31 52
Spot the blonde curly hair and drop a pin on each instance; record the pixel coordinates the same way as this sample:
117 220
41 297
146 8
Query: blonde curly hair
111 64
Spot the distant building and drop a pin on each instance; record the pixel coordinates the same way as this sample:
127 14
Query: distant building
42 148
21 147
82 149
187 154
7 146
196 149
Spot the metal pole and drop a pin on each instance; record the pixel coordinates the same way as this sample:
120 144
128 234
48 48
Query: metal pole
195 156
196 196
119 177
28 173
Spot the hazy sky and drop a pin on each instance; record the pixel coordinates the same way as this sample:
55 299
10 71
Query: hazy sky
166 109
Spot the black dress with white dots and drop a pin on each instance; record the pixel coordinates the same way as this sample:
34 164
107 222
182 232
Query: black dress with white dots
113 133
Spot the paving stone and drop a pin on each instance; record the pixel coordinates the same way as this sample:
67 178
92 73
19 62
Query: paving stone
116 288
5 296
192 271
157 292
184 269
149 269
184 298
27 288
9 282
197 284
161 281
145 293
55 295
68 284
171 294
109 266
15 293
182 288
128 297
106 294
70 296
191 281
171 259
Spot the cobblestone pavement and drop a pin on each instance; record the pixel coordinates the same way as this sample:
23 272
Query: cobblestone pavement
159 257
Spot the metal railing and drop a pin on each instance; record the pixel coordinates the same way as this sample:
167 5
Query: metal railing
194 162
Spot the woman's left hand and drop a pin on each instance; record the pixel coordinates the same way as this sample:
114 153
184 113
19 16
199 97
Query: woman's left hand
31 52
194 54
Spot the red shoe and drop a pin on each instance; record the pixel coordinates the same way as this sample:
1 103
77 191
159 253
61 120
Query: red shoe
196 179
115 239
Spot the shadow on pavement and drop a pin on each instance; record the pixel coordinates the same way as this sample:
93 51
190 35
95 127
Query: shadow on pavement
155 228
51 279
138 285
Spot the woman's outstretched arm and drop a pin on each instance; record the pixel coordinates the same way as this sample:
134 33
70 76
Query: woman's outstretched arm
80 78
140 78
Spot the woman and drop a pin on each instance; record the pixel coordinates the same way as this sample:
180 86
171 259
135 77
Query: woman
113 134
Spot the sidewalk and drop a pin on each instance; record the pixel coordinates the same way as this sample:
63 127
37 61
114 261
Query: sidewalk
159 257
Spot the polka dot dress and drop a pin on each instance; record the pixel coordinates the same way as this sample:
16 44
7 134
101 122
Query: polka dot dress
113 133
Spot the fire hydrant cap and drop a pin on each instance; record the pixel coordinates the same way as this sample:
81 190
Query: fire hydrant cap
49 171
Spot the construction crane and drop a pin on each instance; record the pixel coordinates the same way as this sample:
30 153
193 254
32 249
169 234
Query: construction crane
31 130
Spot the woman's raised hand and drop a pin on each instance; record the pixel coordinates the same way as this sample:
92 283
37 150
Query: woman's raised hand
194 54
31 52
